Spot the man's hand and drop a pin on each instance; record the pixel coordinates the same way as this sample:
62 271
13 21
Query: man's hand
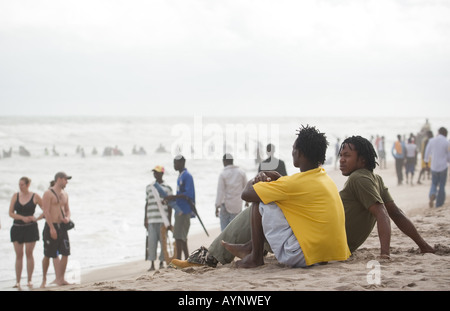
266 176
53 233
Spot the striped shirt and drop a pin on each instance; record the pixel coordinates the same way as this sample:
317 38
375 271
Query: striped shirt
153 213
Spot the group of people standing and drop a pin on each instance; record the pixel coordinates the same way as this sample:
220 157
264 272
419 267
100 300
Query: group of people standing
435 158
25 232
160 203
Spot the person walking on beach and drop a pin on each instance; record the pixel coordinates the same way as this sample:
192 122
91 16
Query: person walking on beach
438 150
398 152
425 166
336 152
411 160
272 163
24 231
184 198
157 215
381 152
56 239
232 181
301 216
366 202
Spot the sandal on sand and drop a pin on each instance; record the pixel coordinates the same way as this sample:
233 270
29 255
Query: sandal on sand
202 257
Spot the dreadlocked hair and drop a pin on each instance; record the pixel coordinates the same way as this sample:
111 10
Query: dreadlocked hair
312 144
364 148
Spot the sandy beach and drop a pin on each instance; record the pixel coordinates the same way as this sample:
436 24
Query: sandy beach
407 270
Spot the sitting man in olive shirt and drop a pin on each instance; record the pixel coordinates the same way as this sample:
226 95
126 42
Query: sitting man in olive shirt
367 200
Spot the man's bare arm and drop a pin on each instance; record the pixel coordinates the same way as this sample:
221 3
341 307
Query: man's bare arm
379 211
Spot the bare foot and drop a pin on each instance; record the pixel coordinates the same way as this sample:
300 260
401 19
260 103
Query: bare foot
427 249
44 283
17 286
249 262
62 283
30 284
238 250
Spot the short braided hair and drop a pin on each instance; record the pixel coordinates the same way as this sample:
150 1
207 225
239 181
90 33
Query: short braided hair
312 143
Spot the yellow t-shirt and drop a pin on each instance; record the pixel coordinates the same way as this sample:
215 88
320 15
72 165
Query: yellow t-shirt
313 208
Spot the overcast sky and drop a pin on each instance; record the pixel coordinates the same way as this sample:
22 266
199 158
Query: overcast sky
225 57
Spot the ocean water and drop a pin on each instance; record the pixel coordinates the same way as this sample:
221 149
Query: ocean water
107 193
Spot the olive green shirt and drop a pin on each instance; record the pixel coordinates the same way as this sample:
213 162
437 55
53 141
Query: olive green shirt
362 190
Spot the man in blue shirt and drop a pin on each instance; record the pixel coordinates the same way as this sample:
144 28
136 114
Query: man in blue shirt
184 198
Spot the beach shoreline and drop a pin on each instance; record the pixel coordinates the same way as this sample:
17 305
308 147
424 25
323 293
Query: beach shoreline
407 270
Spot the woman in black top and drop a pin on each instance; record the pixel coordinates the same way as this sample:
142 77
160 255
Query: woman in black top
24 230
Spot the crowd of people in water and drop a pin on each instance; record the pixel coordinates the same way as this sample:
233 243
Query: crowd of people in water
107 151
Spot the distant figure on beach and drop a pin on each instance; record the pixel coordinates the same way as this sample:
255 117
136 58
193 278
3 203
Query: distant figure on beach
160 149
24 152
232 181
425 167
157 216
381 151
54 152
398 152
438 150
7 154
140 151
301 216
411 160
366 202
24 231
184 198
56 239
336 152
272 163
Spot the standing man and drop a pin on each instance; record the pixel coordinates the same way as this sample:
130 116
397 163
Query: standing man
232 181
411 159
157 215
398 152
55 203
184 198
438 150
272 163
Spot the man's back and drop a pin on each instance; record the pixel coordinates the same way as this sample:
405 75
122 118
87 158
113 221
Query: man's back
438 150
311 204
273 164
232 181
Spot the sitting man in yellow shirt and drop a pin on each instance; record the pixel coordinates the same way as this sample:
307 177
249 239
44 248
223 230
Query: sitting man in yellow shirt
301 216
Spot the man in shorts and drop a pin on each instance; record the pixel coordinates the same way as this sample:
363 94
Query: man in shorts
184 198
56 239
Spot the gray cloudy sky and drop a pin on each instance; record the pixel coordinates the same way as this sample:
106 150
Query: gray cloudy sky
219 57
